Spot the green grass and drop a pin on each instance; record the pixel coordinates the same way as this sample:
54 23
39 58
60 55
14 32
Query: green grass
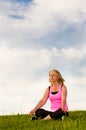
75 121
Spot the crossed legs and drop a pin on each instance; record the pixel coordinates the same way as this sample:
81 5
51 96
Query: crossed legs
44 114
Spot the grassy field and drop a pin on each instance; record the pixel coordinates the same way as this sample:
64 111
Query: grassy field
75 121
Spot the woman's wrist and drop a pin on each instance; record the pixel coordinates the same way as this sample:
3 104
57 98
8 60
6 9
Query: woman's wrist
63 108
35 109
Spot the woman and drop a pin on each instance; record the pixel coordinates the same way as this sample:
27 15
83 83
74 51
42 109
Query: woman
57 94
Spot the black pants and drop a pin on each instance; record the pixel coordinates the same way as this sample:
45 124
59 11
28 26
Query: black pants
42 113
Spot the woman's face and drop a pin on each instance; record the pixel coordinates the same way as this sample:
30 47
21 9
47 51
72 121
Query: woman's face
53 76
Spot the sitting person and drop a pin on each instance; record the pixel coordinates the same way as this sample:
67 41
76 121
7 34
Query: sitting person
57 94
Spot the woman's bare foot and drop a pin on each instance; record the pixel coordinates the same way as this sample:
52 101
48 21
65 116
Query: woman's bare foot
47 117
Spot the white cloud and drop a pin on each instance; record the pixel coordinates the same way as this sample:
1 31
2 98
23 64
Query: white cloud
25 58
38 17
23 71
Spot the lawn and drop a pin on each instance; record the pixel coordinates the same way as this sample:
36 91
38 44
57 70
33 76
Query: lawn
75 121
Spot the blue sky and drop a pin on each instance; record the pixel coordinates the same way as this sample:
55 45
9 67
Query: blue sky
34 38
21 1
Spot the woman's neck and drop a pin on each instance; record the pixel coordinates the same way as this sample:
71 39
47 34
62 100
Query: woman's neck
55 84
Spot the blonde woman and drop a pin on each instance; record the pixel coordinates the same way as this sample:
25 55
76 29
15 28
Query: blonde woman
57 94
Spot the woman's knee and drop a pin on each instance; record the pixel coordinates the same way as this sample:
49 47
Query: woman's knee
41 113
38 112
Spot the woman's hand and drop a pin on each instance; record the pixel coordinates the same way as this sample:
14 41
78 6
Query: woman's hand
63 109
32 112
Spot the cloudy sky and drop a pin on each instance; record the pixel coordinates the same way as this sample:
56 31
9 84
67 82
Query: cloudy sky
35 37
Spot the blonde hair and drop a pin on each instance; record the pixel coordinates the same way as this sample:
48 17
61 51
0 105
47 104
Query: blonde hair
60 78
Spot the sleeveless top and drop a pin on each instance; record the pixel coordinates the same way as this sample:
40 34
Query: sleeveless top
56 99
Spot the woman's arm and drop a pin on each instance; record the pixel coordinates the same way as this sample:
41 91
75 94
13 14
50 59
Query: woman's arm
41 102
64 96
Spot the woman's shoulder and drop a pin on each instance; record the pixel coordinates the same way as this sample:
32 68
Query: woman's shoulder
48 88
64 88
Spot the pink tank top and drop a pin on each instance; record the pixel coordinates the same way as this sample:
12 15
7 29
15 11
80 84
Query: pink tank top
56 100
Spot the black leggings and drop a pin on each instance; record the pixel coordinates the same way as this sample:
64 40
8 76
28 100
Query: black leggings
42 113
